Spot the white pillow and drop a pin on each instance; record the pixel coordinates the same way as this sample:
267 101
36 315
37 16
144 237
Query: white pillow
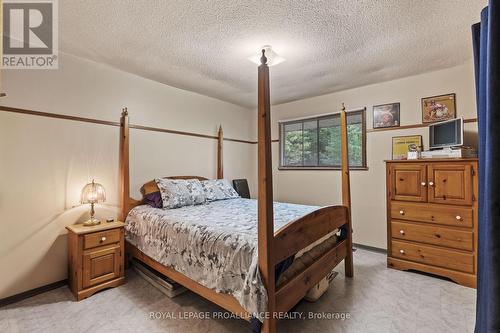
177 193
218 189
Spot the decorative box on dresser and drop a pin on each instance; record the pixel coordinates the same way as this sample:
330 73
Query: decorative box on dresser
96 258
432 217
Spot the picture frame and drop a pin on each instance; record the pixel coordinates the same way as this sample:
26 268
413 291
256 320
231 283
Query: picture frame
400 145
439 108
386 115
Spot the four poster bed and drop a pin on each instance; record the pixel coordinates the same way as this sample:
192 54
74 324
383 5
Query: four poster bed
252 283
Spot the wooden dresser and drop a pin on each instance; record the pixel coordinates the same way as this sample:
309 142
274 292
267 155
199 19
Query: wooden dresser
432 217
96 258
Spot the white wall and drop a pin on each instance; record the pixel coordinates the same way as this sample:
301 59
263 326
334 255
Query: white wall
368 187
44 163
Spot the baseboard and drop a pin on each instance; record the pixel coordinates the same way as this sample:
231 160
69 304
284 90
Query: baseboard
370 248
33 292
40 290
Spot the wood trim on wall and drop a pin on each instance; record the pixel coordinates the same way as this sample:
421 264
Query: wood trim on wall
371 130
164 130
114 123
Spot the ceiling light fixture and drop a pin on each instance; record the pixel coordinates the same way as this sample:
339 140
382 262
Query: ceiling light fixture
272 57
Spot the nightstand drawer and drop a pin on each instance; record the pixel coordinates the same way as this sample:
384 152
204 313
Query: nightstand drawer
101 238
101 265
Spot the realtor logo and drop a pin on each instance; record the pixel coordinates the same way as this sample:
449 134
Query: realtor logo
30 39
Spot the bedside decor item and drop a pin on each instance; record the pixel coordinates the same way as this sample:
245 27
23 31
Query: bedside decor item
96 258
386 115
438 108
92 193
401 145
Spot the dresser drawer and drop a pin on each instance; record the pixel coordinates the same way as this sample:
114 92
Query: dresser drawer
439 214
429 234
101 238
451 259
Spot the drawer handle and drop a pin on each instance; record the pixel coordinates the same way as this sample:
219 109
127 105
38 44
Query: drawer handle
423 183
103 239
402 232
431 183
458 217
402 251
402 212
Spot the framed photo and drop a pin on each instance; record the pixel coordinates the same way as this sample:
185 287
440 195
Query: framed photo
386 115
401 145
438 108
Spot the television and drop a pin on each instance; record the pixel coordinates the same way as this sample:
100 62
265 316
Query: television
446 134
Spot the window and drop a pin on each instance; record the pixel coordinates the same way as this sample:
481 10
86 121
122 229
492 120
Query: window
314 143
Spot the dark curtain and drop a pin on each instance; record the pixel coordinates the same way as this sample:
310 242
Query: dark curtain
486 42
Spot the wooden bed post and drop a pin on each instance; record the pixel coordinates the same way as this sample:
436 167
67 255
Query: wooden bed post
220 156
265 195
124 165
346 190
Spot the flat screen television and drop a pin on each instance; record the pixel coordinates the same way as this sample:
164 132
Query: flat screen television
445 134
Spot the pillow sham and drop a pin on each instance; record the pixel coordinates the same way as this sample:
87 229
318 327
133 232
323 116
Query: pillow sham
176 193
218 189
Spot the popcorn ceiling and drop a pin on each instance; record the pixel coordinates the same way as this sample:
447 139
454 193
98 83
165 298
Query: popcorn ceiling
203 46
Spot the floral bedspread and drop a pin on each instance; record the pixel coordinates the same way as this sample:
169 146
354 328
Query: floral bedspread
214 244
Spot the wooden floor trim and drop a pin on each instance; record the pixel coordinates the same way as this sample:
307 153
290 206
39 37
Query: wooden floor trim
369 248
114 123
33 292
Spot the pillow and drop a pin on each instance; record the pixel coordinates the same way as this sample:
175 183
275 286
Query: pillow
154 199
176 193
218 189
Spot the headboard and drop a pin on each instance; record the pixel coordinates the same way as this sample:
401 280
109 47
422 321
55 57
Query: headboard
127 203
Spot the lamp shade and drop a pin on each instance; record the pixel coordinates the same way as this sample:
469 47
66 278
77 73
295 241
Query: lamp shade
93 193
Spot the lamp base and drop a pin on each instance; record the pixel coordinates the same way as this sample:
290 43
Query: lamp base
91 222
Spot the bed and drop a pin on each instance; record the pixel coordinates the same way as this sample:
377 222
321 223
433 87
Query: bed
215 244
245 241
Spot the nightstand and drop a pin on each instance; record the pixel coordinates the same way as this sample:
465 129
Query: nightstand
96 257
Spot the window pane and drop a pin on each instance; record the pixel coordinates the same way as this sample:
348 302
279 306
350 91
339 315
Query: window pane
316 142
292 144
329 142
355 137
310 144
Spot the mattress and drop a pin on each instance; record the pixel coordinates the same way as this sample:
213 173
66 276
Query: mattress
214 244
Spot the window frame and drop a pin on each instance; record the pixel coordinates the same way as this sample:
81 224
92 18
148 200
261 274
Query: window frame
281 125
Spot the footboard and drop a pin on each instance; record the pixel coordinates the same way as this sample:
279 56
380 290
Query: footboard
307 229
299 234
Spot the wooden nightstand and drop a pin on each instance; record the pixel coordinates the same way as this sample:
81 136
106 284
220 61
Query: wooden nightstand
96 258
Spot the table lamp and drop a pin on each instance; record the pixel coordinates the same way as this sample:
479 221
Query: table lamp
92 193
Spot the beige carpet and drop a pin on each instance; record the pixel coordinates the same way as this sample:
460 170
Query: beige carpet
377 299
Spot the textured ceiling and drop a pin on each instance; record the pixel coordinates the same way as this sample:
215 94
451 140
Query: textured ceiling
203 46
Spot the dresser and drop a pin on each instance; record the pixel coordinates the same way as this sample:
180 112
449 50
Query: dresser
95 258
432 217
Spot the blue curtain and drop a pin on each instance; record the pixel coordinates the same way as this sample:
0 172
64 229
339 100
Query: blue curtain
486 42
